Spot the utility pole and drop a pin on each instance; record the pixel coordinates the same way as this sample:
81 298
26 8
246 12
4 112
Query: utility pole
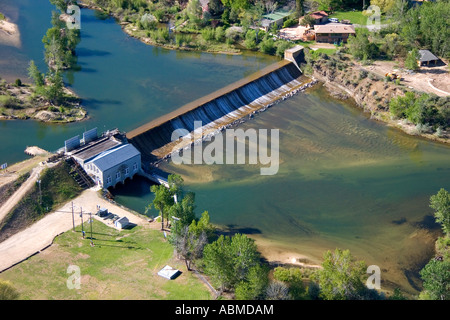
81 216
40 192
73 219
92 221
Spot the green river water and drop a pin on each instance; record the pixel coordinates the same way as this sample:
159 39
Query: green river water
344 180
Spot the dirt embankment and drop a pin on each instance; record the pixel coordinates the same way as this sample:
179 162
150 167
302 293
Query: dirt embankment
370 91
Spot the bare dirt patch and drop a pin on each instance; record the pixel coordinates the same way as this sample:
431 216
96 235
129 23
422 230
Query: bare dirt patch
438 76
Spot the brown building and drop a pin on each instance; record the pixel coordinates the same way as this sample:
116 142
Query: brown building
318 16
333 33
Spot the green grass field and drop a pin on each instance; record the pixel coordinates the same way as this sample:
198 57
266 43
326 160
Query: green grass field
122 265
354 16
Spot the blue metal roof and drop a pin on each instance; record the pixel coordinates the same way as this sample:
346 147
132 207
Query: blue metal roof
113 157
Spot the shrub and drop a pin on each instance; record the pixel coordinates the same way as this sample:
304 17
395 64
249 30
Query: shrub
208 34
18 83
220 34
289 23
362 74
267 46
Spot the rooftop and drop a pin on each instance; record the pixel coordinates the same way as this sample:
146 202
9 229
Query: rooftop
113 157
319 14
277 15
426 55
334 28
93 148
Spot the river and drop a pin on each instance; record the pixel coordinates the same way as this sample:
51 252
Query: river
344 180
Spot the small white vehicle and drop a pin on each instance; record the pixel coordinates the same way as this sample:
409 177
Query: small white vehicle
333 20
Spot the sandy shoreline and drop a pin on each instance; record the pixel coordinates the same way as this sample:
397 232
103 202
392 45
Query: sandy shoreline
9 34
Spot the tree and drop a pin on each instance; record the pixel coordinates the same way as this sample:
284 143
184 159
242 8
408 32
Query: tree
163 201
35 74
194 11
340 278
228 261
61 4
7 291
255 284
441 204
397 295
55 90
277 290
176 184
399 9
236 4
244 254
360 47
293 278
184 210
188 245
436 279
411 59
218 263
202 226
299 8
384 5
308 20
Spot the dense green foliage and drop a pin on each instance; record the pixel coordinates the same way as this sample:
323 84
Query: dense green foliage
60 43
340 278
422 109
293 278
436 279
224 26
228 260
416 27
436 274
440 202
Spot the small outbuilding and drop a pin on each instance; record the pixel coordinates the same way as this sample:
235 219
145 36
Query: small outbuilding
425 57
102 212
121 223
169 273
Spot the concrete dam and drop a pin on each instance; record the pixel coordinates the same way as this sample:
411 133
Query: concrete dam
220 108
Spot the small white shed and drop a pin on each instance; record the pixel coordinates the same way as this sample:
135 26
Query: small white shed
121 222
168 272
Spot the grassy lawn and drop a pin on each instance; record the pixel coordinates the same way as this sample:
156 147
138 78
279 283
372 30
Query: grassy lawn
355 17
121 265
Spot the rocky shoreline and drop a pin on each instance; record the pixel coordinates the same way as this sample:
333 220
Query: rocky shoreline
372 96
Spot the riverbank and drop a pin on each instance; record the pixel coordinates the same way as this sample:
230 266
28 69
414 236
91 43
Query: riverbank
21 101
343 79
144 35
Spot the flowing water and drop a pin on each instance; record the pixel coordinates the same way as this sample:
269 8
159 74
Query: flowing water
123 82
344 180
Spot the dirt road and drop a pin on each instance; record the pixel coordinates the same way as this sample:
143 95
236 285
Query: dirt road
41 234
20 193
428 79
